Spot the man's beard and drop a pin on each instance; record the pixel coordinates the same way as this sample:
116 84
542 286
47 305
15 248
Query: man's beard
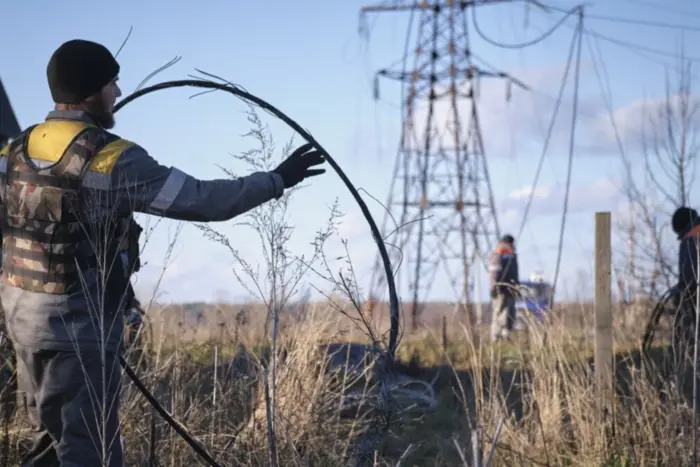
106 120
102 117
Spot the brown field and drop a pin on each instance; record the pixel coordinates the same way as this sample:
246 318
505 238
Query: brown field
203 361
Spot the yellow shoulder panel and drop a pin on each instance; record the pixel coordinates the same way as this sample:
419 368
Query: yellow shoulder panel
104 161
4 150
49 140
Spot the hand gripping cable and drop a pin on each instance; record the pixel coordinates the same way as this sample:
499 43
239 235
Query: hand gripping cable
254 100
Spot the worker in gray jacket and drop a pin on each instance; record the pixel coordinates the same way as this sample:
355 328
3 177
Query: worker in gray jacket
69 189
504 279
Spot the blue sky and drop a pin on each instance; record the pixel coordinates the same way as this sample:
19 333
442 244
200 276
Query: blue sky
308 59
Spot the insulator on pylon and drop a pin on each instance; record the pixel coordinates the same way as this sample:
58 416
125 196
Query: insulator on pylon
509 89
376 87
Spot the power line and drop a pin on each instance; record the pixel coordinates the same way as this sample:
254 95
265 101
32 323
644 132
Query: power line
637 46
639 50
521 45
575 43
550 129
569 12
622 19
572 140
614 40
655 24
666 8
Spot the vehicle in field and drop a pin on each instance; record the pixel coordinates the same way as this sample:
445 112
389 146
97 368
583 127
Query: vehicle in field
535 300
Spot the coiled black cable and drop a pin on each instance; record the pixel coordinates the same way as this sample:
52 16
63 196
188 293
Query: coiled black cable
654 319
393 296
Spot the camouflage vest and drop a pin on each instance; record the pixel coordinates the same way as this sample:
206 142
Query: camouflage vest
42 228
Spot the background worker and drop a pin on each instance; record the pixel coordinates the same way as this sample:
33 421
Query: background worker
70 190
686 224
503 279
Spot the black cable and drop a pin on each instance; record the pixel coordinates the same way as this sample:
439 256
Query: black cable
393 296
177 426
398 159
232 89
654 319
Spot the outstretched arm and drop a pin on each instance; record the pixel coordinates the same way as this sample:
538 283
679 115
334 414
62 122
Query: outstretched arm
141 184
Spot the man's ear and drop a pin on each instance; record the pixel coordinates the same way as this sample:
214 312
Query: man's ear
94 99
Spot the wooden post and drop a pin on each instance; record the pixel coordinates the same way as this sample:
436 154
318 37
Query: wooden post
604 358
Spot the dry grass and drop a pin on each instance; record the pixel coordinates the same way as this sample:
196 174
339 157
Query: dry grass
540 386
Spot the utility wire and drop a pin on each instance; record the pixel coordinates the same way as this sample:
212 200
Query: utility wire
623 20
575 43
637 46
637 49
569 12
548 137
666 8
521 45
572 139
559 98
616 41
640 22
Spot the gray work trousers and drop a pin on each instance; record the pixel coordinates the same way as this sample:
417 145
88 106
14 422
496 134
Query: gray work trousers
502 315
66 401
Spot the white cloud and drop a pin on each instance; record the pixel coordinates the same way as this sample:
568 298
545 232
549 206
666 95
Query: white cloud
353 224
514 120
645 120
525 192
602 194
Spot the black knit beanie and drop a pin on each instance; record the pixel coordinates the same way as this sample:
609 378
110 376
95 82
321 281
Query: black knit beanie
508 239
78 69
683 220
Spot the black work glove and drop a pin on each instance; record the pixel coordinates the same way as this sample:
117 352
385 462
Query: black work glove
494 293
296 167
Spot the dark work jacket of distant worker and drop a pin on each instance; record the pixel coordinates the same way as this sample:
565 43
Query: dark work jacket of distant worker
128 176
688 264
503 268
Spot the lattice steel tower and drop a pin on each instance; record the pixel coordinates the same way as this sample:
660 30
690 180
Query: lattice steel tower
441 195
